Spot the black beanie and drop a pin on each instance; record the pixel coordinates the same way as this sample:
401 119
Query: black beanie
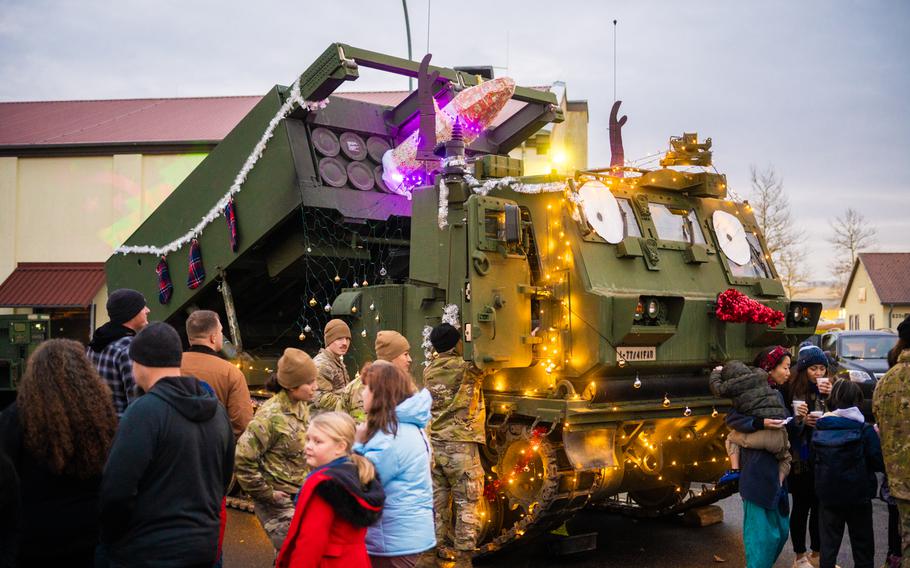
124 304
158 345
903 329
444 337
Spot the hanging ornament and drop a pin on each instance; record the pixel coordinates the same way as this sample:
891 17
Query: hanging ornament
365 283
363 333
372 306
196 275
713 413
666 402
327 308
383 271
165 287
687 411
313 302
337 278
309 250
621 363
302 336
637 383
308 328
377 318
353 309
230 215
356 285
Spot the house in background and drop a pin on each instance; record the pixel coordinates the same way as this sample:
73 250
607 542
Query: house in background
878 291
79 177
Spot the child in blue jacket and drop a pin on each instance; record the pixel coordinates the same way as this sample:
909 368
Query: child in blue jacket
846 454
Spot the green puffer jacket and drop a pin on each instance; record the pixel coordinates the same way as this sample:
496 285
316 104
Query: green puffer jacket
749 389
458 406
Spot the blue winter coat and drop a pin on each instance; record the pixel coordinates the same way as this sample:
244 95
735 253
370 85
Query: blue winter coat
403 464
838 480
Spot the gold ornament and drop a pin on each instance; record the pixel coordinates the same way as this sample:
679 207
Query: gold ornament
666 402
337 278
365 283
353 309
302 336
312 302
687 411
713 413
637 383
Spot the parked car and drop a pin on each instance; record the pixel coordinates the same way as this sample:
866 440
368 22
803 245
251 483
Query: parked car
860 356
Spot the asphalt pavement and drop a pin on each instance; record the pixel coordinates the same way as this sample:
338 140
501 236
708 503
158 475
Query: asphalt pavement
621 542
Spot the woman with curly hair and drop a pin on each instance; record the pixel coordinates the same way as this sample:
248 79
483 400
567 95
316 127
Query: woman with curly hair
58 434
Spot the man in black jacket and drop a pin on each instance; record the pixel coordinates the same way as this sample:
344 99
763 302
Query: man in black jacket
169 466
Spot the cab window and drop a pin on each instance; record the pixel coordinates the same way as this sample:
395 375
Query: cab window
629 224
757 267
676 224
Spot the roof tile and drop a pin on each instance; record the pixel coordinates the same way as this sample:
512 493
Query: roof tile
52 285
890 275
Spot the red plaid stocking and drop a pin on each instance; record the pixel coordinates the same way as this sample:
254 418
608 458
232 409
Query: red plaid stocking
165 287
196 274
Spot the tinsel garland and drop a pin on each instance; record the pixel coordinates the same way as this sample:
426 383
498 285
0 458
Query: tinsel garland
294 99
427 345
450 315
493 488
484 188
735 307
443 215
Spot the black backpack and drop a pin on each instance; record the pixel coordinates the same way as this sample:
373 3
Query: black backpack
841 474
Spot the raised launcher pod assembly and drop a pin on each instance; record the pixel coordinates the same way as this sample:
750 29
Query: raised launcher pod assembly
589 302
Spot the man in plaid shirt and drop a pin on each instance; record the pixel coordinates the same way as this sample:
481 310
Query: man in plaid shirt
110 345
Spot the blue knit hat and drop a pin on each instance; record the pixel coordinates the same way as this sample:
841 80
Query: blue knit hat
810 355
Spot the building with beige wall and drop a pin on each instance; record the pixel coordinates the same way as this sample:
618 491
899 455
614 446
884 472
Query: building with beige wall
878 292
77 178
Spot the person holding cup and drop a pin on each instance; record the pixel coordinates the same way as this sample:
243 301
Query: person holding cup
766 505
808 389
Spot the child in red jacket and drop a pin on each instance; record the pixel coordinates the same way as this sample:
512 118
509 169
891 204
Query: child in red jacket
339 500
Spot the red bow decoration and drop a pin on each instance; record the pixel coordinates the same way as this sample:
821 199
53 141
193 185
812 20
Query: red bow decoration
735 307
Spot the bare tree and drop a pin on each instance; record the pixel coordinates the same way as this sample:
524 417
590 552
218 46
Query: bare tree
772 212
852 233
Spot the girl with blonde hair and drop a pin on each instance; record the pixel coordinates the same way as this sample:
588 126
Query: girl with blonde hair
341 497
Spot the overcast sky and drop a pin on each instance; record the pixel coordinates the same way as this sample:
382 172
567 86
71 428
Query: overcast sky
818 89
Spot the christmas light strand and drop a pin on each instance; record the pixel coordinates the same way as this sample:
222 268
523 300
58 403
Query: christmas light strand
294 100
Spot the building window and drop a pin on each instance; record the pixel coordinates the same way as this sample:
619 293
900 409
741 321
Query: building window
861 294
871 321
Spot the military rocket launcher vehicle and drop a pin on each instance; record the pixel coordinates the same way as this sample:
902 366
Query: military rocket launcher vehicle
590 302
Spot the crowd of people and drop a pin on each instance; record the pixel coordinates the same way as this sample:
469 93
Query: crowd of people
796 433
121 453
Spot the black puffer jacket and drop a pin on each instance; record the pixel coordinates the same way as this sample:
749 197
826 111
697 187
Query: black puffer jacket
749 389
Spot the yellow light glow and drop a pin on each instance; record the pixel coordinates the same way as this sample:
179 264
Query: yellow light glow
559 157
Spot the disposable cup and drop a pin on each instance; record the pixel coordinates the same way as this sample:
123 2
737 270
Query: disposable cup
816 413
823 381
796 405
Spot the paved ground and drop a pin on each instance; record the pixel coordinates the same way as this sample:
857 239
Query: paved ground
621 542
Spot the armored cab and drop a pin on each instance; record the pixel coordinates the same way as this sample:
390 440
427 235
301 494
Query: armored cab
592 303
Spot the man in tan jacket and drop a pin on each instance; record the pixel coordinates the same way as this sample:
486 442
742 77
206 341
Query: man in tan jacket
333 375
203 329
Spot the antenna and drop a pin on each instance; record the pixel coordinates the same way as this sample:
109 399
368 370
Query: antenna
429 5
614 61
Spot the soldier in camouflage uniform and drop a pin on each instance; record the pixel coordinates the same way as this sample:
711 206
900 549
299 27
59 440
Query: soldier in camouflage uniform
352 399
270 464
333 375
891 406
456 432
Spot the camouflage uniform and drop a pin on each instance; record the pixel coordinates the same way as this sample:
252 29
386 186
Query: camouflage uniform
270 457
333 377
891 406
456 431
352 400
